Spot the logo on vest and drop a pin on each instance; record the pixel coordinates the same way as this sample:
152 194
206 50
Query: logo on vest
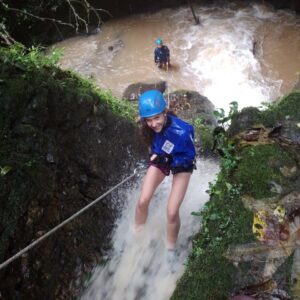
168 147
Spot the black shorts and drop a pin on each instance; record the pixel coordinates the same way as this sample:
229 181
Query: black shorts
189 169
163 167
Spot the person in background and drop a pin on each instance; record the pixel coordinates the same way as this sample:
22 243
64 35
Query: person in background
161 54
170 140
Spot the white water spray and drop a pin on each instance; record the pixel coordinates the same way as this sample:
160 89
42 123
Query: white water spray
138 267
234 55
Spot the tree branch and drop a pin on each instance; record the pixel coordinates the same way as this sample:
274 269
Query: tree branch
5 36
75 24
90 8
77 17
36 17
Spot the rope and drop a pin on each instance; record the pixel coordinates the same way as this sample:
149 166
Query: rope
168 90
40 239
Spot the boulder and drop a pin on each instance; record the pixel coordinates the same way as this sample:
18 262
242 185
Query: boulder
115 46
133 91
190 105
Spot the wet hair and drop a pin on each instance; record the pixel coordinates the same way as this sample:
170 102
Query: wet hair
146 132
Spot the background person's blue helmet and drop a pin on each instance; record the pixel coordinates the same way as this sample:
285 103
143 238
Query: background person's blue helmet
159 42
151 103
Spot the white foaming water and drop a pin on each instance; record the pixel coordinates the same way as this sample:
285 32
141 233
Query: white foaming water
222 61
138 266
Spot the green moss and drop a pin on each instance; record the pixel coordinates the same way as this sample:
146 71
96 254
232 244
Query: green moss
287 108
209 274
225 221
244 119
22 70
259 165
203 134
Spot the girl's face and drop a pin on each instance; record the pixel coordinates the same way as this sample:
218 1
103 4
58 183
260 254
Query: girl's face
156 122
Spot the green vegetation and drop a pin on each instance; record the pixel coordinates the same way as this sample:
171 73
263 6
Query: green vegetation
203 134
260 166
32 66
209 274
28 59
287 108
248 170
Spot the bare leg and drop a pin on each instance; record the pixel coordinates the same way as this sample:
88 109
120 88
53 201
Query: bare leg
179 187
152 179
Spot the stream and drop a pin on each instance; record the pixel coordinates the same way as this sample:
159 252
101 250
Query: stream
241 52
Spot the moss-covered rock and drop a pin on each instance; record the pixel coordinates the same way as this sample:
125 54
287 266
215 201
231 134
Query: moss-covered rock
259 171
209 274
62 144
260 167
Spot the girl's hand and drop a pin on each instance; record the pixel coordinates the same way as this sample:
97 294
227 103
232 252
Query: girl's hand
153 156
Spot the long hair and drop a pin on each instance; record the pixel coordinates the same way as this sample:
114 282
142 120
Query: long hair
146 132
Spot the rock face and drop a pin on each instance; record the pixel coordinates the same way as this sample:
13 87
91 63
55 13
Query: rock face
61 147
191 105
250 236
265 267
134 90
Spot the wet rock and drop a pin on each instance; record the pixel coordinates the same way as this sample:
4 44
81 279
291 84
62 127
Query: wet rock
116 46
251 135
290 133
295 275
50 158
297 85
291 202
257 262
83 178
93 30
275 187
134 90
288 172
255 135
65 147
190 105
244 120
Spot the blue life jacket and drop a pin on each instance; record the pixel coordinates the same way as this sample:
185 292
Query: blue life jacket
175 139
162 54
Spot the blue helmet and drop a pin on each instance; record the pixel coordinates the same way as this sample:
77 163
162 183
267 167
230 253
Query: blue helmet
158 42
151 103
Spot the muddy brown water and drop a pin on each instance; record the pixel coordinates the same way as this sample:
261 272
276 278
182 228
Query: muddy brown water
249 54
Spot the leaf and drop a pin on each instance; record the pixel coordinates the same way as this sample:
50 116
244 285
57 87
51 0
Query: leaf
229 186
5 170
214 217
196 213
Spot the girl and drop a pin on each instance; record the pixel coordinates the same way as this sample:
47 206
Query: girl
172 149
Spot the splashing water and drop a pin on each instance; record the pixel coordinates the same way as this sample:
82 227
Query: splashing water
234 55
139 266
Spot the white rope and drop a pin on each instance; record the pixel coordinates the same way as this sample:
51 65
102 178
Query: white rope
40 239
168 90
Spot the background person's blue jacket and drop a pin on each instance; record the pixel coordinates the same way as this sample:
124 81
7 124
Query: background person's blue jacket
176 139
161 55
